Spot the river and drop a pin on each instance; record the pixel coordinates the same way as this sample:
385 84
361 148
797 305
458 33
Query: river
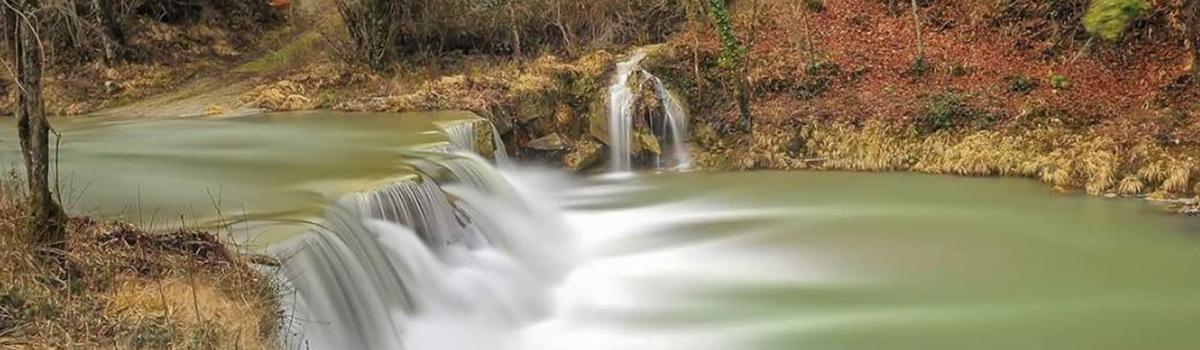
404 255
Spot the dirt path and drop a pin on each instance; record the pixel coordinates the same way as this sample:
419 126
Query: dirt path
219 93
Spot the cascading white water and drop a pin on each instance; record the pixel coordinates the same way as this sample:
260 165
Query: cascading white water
620 114
501 154
460 251
677 123
621 103
461 135
462 138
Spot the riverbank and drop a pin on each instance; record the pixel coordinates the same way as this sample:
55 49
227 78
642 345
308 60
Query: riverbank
126 288
994 95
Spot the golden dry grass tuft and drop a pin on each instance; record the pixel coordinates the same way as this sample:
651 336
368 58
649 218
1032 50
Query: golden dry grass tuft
128 289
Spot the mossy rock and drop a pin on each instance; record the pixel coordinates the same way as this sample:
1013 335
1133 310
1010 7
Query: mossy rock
586 154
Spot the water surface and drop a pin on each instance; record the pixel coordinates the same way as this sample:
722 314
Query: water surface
776 260
270 167
544 260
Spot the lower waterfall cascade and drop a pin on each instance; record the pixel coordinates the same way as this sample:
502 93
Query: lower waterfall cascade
395 267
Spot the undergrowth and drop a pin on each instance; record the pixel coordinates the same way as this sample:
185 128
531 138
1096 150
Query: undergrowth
121 287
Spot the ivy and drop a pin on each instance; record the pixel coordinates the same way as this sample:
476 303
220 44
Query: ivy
732 51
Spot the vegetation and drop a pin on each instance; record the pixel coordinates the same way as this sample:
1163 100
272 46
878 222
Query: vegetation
120 287
733 58
383 30
1109 18
949 111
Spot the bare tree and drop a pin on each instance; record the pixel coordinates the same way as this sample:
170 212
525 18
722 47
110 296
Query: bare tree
47 221
799 9
1191 9
916 15
374 27
111 35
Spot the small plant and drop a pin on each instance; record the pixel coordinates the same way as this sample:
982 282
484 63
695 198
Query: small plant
960 70
154 333
820 76
948 111
12 310
814 6
206 335
1178 177
921 67
1131 186
1059 82
1109 18
1021 84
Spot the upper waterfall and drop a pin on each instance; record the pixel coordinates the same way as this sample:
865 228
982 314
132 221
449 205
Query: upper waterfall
622 102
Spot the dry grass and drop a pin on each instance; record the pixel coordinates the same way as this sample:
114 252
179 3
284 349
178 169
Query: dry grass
124 288
1097 165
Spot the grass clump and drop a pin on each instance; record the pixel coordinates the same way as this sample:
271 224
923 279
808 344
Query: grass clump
1021 84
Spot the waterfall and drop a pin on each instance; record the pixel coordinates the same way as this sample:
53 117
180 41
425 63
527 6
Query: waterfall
620 114
676 122
621 103
462 136
457 248
501 154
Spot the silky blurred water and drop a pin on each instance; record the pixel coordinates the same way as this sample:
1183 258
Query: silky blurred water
696 260
272 167
777 260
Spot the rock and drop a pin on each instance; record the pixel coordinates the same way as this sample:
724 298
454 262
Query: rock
112 87
548 143
587 153
216 109
485 143
646 143
597 119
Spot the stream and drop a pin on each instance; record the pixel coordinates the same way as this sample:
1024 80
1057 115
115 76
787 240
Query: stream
395 241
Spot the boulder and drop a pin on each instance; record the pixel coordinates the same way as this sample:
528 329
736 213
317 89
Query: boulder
587 153
485 143
645 143
548 143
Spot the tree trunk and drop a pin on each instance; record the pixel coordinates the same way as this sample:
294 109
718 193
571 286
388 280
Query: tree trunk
801 11
743 91
515 31
111 34
916 15
1191 9
47 221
